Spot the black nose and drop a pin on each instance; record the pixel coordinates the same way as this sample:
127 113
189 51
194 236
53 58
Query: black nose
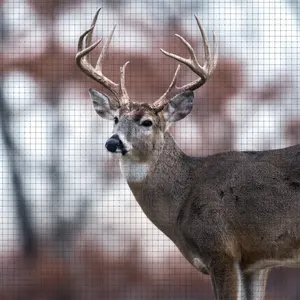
114 143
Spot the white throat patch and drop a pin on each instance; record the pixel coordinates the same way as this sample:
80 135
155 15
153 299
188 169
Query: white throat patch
134 171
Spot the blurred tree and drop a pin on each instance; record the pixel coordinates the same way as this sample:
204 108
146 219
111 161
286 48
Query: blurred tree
22 208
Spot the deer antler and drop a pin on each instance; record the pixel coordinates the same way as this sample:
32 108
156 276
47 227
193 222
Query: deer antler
83 62
204 72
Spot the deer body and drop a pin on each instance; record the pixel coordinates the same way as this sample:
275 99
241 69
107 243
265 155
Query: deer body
242 204
232 215
229 208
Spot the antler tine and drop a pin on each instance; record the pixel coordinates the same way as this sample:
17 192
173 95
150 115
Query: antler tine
122 83
81 57
210 62
83 61
205 42
216 52
88 39
98 67
158 105
204 72
83 53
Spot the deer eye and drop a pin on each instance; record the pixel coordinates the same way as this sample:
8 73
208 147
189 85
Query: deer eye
116 120
146 123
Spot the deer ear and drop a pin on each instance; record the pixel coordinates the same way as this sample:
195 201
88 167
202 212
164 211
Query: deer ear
102 104
179 107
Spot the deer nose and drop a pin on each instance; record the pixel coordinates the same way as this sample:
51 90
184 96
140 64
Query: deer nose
114 143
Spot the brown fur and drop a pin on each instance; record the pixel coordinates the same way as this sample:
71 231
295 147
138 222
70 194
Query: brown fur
232 210
228 208
232 215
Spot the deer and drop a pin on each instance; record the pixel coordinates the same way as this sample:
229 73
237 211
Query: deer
233 215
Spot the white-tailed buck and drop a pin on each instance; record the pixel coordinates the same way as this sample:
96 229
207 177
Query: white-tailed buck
232 215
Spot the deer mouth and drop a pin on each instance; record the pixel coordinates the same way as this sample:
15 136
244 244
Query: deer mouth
124 151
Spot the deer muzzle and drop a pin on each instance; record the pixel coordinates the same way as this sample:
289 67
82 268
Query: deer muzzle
114 144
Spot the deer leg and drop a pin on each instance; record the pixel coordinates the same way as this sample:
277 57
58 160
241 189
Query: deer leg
255 284
228 282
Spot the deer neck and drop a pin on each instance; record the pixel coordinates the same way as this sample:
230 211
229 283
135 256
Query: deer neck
161 186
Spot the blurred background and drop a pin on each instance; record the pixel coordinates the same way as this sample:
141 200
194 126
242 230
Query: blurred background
70 228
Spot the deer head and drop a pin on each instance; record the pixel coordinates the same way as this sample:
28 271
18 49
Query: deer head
139 127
